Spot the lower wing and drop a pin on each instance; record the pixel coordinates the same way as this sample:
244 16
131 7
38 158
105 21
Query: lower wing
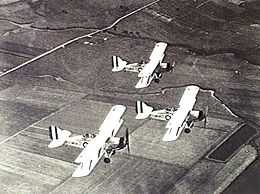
89 157
144 81
176 124
172 133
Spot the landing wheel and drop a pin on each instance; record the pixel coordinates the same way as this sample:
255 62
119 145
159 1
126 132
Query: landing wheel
139 69
167 117
156 80
187 130
85 144
107 160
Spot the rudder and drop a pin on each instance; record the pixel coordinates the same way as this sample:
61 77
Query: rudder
143 110
118 64
58 136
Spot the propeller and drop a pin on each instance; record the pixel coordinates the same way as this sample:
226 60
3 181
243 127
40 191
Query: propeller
205 116
127 140
172 66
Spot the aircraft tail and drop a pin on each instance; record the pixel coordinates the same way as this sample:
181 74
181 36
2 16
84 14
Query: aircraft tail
58 136
143 110
118 64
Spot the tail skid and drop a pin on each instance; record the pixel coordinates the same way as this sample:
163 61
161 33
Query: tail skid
118 64
58 136
143 110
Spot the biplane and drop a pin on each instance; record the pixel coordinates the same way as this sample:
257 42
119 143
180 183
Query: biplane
179 118
146 71
94 145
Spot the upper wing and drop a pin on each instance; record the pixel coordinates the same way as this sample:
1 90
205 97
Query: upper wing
154 59
177 122
189 97
113 121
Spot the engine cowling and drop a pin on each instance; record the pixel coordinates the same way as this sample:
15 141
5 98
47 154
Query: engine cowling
168 67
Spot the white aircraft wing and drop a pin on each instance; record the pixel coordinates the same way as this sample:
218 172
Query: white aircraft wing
189 97
154 59
90 155
113 121
144 81
177 122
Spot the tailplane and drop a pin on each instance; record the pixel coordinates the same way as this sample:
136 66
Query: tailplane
58 136
118 64
143 110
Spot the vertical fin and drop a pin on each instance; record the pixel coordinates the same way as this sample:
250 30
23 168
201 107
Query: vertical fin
118 64
143 110
58 136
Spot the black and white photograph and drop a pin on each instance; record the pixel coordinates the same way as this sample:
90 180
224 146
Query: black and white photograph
129 97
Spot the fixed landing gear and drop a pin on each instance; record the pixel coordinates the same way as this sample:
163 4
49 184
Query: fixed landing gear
85 144
107 160
187 130
167 117
157 77
156 80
